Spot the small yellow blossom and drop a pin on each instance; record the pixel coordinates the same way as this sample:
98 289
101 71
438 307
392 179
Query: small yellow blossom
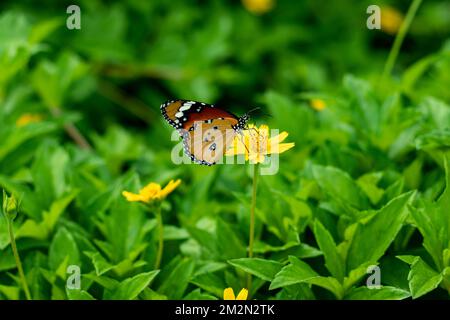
258 6
28 118
256 145
228 294
318 104
151 192
391 20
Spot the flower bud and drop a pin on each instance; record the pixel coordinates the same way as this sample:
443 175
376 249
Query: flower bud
10 206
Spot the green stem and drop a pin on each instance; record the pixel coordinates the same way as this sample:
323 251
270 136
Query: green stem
393 54
17 257
160 237
252 220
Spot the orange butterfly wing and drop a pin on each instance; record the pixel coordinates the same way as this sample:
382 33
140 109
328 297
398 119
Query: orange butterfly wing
207 141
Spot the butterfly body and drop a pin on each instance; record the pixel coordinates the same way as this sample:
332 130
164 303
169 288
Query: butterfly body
206 130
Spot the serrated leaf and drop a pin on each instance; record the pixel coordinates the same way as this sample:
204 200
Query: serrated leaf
422 278
296 271
100 264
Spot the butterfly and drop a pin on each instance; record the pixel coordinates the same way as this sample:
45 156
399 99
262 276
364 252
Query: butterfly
207 131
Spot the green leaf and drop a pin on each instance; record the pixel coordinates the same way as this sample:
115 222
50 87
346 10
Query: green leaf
7 260
198 295
209 267
413 73
355 275
15 50
340 186
49 172
296 271
444 199
62 247
368 183
104 281
407 258
130 288
227 241
433 221
329 283
373 236
100 264
383 293
10 292
300 272
18 137
149 294
174 285
422 278
42 230
210 282
333 260
75 294
41 30
52 80
261 247
262 268
432 224
286 111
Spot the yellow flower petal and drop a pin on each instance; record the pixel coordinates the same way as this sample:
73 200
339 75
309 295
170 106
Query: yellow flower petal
132 197
242 295
172 185
255 144
282 147
150 191
228 294
279 138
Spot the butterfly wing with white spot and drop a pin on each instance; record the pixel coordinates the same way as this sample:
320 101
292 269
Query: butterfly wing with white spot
207 141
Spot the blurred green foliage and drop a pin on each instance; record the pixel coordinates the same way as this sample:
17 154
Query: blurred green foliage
368 182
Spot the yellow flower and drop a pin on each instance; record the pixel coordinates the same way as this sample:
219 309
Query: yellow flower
258 6
28 118
256 144
391 20
151 192
228 294
318 104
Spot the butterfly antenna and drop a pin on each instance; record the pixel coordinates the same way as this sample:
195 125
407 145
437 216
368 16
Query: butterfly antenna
261 112
253 110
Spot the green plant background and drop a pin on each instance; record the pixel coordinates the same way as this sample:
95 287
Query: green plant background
366 183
